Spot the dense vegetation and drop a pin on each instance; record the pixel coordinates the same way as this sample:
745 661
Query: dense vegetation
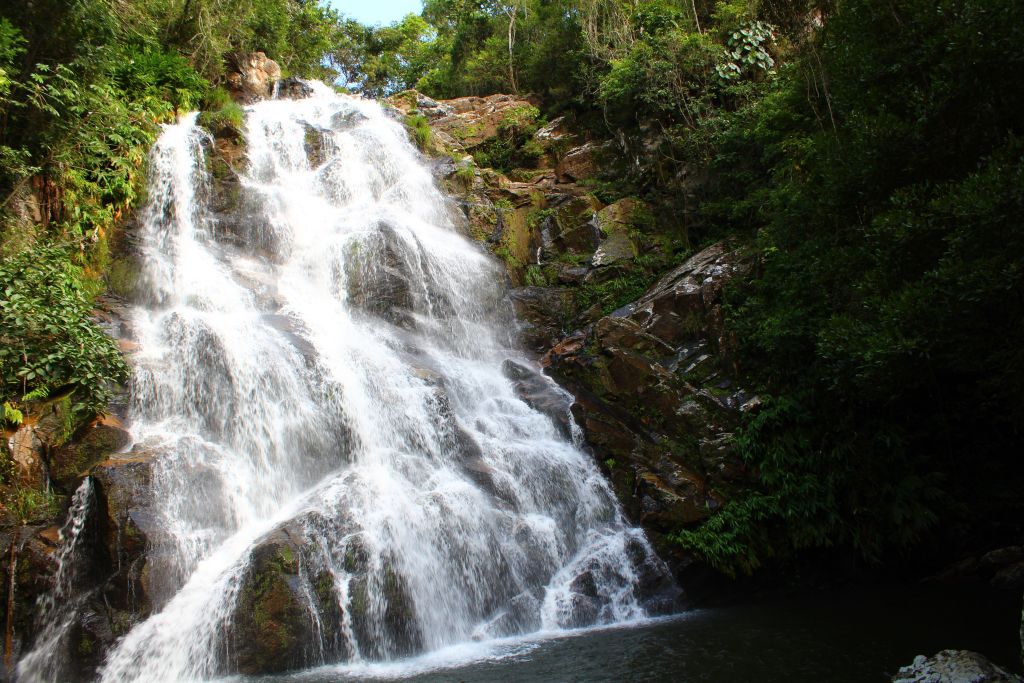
871 153
83 85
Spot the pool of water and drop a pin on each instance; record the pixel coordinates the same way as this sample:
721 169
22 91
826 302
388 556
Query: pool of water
853 636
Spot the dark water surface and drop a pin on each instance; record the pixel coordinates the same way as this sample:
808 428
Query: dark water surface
851 636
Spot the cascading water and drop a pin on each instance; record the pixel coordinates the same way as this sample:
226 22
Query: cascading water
58 609
329 375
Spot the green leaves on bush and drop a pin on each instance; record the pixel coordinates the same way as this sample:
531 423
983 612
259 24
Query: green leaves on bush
47 338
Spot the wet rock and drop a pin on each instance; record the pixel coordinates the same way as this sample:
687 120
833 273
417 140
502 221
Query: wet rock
616 248
544 313
540 394
253 77
89 445
271 624
378 280
293 88
47 426
673 503
382 615
652 395
347 120
954 666
127 526
26 449
317 144
30 551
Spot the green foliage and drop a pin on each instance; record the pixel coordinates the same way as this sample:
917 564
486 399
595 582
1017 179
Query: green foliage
46 336
421 131
12 416
884 170
747 51
535 276
30 505
226 121
514 145
464 175
161 75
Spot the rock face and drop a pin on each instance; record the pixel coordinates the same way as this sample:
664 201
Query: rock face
127 526
293 89
654 396
49 426
473 120
652 381
288 616
954 666
253 77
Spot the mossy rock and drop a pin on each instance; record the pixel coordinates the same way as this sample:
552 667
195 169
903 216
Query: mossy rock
271 625
89 445
317 144
572 228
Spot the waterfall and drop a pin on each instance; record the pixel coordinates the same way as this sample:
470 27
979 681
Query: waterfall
57 610
329 373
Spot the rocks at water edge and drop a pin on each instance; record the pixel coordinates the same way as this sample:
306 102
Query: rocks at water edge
288 614
271 625
954 666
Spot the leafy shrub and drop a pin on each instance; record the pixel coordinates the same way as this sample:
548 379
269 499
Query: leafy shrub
227 121
163 75
46 336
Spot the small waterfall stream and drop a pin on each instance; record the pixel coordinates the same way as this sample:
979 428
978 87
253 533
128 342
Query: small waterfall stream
329 371
58 609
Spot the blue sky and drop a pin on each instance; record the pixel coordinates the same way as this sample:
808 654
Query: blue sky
377 11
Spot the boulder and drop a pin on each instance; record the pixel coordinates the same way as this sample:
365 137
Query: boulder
293 88
571 228
954 666
127 525
47 426
253 77
89 445
618 216
26 449
580 163
614 249
272 623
